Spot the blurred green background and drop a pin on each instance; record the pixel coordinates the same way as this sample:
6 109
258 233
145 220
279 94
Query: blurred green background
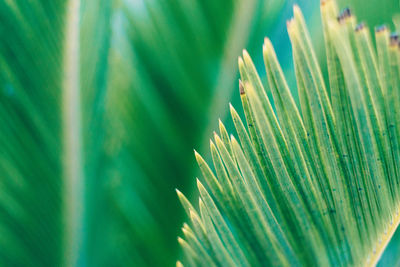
156 76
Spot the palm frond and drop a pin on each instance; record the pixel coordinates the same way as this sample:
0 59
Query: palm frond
314 183
77 171
170 68
52 61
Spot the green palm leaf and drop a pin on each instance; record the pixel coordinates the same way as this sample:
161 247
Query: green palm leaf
86 119
171 66
53 61
314 183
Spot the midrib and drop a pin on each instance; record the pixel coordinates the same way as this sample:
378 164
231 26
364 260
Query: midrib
72 141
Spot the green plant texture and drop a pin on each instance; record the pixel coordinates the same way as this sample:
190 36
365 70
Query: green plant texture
51 98
314 183
101 102
172 68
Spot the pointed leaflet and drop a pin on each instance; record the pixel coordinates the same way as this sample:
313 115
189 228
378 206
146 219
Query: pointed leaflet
332 170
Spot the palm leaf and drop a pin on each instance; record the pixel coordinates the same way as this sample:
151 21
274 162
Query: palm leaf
171 66
77 186
314 183
52 61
